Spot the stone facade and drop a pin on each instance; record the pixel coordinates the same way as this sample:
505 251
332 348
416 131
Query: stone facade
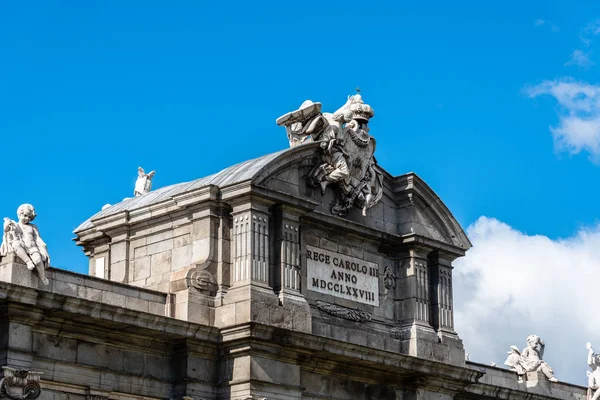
244 285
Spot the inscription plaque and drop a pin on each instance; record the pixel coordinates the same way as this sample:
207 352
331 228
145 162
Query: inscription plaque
342 276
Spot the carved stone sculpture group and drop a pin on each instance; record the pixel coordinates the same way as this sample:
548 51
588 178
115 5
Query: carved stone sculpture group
530 359
347 151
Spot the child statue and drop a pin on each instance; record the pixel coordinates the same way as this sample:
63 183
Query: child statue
24 239
593 361
532 358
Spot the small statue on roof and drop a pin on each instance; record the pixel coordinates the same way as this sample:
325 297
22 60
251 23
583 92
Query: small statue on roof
143 184
23 238
593 360
530 359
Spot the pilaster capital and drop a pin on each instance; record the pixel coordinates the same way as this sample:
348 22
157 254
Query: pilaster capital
20 384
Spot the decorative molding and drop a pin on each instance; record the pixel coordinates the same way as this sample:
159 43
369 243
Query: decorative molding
250 246
290 254
202 280
20 384
400 332
250 398
344 312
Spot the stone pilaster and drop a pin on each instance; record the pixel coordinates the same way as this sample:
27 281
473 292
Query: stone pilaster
413 301
119 255
223 256
286 270
250 245
196 287
424 309
412 311
250 298
286 258
442 309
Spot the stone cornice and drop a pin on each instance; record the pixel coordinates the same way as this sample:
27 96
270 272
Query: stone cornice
384 237
72 317
209 193
409 185
32 305
330 356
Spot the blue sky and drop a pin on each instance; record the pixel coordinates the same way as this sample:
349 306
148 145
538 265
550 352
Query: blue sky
466 93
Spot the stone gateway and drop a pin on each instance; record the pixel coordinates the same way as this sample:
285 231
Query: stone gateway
310 273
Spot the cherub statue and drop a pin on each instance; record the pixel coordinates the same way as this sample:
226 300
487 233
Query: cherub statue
593 361
24 239
143 184
513 359
531 358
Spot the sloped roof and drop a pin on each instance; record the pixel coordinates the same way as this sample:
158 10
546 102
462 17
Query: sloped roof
229 176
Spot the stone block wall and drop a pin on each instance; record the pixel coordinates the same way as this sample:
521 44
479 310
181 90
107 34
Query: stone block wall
147 254
86 287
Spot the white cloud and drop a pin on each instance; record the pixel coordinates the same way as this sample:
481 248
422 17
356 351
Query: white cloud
593 28
580 58
542 22
579 115
512 284
586 42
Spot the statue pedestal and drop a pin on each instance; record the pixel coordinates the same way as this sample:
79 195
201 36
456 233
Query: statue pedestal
13 270
537 379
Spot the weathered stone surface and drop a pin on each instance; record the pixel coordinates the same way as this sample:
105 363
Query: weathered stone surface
232 314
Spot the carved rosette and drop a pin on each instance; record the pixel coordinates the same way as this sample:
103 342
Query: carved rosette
20 384
343 312
202 280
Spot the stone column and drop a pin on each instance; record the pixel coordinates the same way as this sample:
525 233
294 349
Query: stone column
286 259
250 298
442 313
223 257
250 245
450 347
413 300
412 311
424 307
286 271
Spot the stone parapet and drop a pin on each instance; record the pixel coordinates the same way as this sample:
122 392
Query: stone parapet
501 382
72 284
84 348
